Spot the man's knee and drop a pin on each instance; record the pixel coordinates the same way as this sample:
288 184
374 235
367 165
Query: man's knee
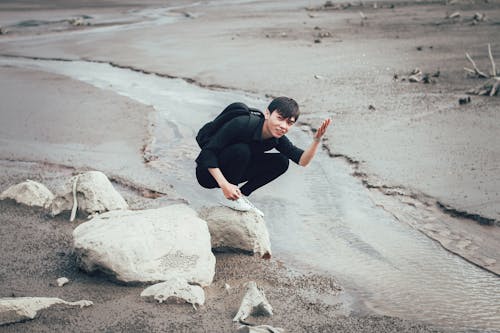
282 163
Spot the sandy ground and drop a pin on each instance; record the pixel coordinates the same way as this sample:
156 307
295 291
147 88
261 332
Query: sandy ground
415 140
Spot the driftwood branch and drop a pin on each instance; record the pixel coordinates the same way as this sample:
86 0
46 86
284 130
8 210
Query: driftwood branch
476 70
494 88
492 85
75 201
469 70
493 66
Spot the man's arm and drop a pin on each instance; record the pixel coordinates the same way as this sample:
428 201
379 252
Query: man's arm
309 153
230 191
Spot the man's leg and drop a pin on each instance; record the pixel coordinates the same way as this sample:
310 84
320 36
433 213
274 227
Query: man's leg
233 162
263 169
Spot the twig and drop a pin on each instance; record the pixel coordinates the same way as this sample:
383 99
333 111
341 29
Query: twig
75 201
477 71
493 66
469 70
494 88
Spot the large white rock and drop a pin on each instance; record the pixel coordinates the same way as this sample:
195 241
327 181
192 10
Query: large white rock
16 309
147 246
232 229
29 193
175 290
94 194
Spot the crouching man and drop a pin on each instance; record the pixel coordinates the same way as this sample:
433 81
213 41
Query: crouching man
236 153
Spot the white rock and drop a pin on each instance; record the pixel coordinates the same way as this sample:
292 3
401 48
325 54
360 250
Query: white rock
237 230
29 193
16 309
254 303
147 246
94 192
175 290
259 329
62 281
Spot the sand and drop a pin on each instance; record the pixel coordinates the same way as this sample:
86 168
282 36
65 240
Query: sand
412 138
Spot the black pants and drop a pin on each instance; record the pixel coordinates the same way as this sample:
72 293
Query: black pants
239 165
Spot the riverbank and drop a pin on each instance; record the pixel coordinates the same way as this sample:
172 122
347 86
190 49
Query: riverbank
409 139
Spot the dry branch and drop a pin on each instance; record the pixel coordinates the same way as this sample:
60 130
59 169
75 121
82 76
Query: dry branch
493 66
476 70
490 87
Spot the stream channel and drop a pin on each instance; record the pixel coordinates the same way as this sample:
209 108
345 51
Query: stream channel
321 219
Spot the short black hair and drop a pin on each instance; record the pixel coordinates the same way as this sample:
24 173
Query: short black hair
285 106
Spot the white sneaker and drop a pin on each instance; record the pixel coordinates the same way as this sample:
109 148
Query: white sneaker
255 209
238 204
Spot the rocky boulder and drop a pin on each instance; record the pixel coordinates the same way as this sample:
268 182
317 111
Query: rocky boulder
29 193
93 193
147 246
231 229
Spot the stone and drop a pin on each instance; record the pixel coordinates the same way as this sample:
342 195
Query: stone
94 194
259 329
17 309
29 193
254 303
147 246
175 290
62 281
232 229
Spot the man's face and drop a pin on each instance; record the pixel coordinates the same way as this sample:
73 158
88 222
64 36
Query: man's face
277 124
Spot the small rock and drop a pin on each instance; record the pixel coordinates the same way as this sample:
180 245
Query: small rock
17 309
319 77
317 41
62 281
175 290
254 303
464 100
76 21
479 17
260 329
371 107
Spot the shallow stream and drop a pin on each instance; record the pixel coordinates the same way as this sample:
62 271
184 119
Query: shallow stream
321 219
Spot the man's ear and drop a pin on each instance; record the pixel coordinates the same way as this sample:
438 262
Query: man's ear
267 114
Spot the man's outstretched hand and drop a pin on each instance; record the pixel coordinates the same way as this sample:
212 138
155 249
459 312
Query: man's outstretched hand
322 129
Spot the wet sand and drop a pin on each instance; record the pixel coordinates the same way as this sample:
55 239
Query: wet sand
416 141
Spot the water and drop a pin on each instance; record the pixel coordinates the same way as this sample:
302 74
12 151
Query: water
320 218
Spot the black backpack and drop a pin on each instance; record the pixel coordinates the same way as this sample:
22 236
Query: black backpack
231 111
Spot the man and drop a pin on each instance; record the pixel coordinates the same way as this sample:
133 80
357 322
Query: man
236 153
